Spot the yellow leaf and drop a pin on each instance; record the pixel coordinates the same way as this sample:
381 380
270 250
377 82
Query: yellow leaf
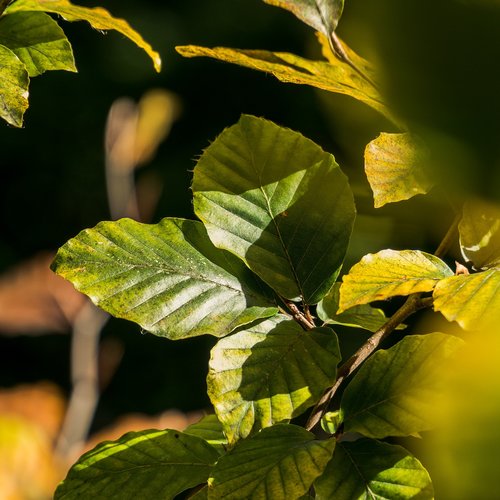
98 18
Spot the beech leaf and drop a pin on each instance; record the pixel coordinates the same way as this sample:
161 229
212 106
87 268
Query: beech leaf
367 469
167 277
278 463
97 17
390 273
269 373
395 392
279 202
473 300
38 42
395 165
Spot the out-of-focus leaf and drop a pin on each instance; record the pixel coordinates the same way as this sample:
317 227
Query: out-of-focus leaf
362 316
279 202
473 300
395 165
338 77
270 373
147 464
368 469
278 463
38 42
322 15
210 429
389 273
97 17
480 234
14 83
396 390
167 277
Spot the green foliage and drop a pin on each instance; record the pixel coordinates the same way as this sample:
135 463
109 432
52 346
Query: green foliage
31 42
259 271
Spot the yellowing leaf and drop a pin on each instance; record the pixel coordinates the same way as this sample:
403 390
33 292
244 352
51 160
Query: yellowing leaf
389 273
98 18
480 234
14 83
395 168
473 300
336 76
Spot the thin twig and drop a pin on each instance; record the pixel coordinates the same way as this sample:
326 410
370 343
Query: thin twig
449 238
3 5
412 305
299 316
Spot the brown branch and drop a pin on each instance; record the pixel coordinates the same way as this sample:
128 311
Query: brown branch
299 316
412 305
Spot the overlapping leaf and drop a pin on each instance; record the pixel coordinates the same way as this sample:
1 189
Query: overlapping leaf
210 429
167 277
98 18
270 373
279 202
395 165
335 76
389 273
396 390
14 83
38 42
480 234
370 469
322 15
362 316
473 300
280 462
147 464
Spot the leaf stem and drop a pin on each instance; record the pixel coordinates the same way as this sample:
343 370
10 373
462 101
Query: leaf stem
299 316
449 237
414 303
3 5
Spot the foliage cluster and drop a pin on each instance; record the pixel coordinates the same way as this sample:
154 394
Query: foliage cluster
261 270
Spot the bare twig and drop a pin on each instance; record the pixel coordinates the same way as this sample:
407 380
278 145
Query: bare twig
299 316
449 238
412 305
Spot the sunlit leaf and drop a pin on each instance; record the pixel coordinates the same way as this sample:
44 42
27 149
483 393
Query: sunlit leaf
322 15
396 390
336 77
278 463
331 420
389 273
270 373
369 469
279 202
38 42
167 277
395 165
210 429
98 18
362 316
473 300
14 83
147 464
480 234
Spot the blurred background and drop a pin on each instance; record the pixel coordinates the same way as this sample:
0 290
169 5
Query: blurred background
53 180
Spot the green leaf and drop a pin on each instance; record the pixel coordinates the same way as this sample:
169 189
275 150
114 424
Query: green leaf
395 165
389 273
147 464
279 202
167 277
14 83
210 429
362 316
480 234
396 390
278 463
270 373
368 469
335 76
38 42
331 420
322 15
473 300
97 17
